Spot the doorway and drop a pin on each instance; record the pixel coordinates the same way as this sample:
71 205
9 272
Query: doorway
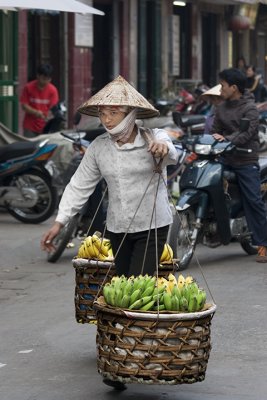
9 69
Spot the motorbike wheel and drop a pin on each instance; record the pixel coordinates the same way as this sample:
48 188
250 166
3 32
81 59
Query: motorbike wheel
246 243
47 197
180 237
248 247
63 239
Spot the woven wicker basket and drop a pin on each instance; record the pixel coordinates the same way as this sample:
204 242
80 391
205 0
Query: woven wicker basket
152 348
90 277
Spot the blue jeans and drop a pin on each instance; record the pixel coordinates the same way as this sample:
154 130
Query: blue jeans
248 177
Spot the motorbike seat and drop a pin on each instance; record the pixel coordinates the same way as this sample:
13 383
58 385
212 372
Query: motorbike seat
230 176
15 150
262 162
184 121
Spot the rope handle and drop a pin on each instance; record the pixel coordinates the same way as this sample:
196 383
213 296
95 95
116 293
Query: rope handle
148 136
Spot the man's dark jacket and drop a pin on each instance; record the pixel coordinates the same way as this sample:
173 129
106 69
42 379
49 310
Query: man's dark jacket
227 121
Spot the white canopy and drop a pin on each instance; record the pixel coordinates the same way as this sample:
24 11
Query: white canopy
53 5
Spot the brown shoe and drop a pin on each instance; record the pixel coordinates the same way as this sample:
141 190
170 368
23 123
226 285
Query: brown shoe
262 254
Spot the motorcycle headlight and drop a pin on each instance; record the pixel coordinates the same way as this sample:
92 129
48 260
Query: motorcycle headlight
202 148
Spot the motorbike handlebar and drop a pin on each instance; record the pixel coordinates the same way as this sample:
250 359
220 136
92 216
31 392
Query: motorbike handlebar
242 150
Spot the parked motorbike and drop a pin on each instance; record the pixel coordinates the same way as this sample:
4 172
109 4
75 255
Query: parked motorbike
209 210
26 189
92 214
57 122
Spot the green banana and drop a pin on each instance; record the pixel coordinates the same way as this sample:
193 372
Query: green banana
183 304
185 292
161 307
140 303
201 299
118 297
193 288
125 301
106 293
150 280
135 295
192 305
176 291
136 283
175 303
148 306
128 288
149 290
167 301
116 282
112 293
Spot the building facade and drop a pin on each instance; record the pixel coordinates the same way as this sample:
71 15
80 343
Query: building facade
154 44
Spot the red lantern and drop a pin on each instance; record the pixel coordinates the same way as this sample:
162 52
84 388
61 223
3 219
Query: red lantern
239 22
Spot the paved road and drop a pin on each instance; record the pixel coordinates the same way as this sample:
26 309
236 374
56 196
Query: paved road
46 355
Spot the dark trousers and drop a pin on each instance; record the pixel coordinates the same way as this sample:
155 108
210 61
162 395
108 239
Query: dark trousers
130 258
248 177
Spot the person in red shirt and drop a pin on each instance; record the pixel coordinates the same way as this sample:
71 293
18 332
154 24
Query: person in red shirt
37 98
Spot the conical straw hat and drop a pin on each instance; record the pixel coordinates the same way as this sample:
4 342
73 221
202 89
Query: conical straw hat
119 93
214 91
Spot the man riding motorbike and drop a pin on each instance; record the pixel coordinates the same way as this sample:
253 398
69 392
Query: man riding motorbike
238 104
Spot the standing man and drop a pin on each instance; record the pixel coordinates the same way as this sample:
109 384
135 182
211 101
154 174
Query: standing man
239 103
37 98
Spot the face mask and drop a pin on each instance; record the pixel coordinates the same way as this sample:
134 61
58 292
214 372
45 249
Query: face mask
123 131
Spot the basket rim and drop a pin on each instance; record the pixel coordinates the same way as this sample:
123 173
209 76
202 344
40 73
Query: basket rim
98 305
83 262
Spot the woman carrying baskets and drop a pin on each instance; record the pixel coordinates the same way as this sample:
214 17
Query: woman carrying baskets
126 160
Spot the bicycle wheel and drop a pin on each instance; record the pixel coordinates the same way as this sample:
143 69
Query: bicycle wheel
63 239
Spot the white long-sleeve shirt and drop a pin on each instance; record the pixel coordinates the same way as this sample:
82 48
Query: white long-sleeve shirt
127 170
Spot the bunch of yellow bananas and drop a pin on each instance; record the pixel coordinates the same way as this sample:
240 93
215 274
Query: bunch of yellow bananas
182 294
147 293
167 254
95 247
